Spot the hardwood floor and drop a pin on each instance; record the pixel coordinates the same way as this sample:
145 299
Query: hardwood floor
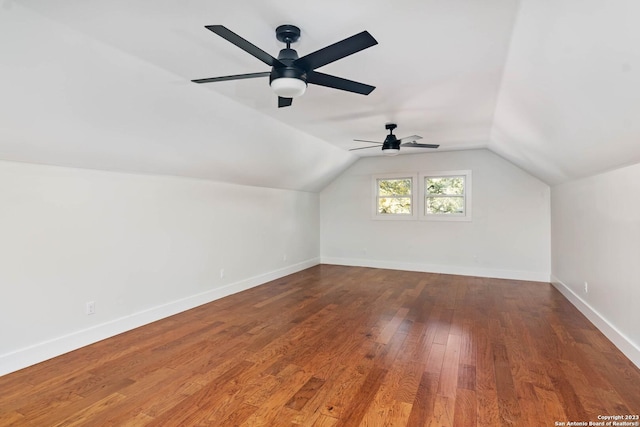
342 346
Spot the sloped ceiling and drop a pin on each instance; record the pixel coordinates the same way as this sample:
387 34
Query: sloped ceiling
551 86
569 102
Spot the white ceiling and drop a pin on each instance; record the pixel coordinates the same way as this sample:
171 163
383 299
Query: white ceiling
553 86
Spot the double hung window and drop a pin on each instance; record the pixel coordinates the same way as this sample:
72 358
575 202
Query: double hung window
395 196
446 196
439 196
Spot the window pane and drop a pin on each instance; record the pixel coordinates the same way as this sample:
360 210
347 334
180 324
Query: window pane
394 205
445 205
391 187
453 185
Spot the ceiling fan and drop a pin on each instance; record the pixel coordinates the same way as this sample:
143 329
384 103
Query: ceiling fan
391 145
290 74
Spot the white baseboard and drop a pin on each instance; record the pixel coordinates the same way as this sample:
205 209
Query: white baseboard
42 351
624 344
443 269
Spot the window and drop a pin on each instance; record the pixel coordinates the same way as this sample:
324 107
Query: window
430 196
394 196
446 196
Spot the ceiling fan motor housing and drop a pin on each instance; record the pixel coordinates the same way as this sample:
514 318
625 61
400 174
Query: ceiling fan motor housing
287 56
391 142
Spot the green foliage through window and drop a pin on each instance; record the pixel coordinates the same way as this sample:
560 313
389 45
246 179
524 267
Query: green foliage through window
444 195
394 196
445 185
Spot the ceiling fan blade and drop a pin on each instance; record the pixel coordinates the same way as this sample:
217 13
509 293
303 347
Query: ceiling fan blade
415 144
363 148
234 77
243 44
410 138
284 102
366 140
336 51
334 82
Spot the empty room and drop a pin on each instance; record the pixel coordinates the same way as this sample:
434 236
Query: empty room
269 213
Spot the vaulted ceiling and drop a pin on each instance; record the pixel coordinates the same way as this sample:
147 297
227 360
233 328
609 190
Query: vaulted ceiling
552 86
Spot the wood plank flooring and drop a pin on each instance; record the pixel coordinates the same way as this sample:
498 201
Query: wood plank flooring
342 346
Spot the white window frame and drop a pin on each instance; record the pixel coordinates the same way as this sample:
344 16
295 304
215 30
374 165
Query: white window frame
414 194
466 216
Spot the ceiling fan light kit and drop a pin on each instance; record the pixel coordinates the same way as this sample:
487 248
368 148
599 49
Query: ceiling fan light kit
290 75
288 87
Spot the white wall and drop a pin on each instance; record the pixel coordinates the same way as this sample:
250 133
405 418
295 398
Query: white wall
142 247
509 236
596 239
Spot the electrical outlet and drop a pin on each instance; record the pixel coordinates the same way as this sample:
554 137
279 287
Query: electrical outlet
222 273
90 307
284 257
586 288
